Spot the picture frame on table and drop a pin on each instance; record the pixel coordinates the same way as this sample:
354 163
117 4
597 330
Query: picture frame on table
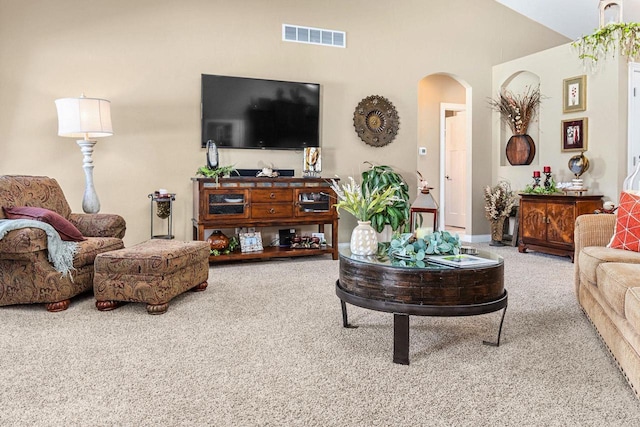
574 94
250 242
574 134
312 164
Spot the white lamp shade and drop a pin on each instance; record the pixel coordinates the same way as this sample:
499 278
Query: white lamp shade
84 117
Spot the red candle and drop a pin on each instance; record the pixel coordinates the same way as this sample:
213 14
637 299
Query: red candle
547 169
536 174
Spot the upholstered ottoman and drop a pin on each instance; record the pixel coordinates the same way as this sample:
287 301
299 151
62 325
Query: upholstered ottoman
152 272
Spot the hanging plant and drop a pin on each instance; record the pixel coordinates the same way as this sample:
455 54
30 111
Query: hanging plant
622 38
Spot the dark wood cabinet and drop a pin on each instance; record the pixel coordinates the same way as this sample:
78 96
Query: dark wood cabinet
265 202
546 222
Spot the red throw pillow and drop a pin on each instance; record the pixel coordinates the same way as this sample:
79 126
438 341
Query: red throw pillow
67 231
627 234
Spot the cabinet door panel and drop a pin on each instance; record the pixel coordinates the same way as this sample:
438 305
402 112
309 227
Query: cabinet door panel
561 219
313 202
534 220
225 204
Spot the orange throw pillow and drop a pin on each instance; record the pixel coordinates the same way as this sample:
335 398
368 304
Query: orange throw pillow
627 234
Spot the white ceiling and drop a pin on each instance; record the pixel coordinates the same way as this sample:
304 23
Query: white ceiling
571 18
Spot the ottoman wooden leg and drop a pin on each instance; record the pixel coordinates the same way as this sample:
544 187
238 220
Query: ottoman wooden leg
108 305
201 287
157 308
58 306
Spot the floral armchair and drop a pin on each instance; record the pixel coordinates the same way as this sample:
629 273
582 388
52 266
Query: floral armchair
26 275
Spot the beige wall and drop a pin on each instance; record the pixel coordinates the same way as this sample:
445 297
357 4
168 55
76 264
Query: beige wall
147 56
606 113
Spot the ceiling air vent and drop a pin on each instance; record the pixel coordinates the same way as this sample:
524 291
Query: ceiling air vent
298 34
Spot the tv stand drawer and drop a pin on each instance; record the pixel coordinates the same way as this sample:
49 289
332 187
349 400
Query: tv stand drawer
271 195
271 210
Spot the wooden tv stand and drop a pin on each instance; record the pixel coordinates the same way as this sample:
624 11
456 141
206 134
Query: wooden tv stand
265 202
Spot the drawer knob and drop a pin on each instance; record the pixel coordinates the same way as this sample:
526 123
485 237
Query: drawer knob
272 195
272 211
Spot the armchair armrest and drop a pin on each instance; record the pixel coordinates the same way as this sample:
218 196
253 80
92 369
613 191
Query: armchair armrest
22 241
99 225
593 230
590 230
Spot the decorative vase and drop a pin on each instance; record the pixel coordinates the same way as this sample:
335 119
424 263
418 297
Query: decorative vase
218 240
497 230
163 209
520 150
363 239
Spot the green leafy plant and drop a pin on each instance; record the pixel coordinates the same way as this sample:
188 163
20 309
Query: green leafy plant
621 38
217 172
362 202
395 214
408 251
541 189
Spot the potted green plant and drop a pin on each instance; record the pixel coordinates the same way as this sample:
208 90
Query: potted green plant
363 203
395 214
621 38
218 172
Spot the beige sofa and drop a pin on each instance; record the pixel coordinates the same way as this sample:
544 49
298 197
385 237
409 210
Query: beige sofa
608 288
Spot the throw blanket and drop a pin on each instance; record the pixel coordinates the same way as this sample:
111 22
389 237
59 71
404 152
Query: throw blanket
60 252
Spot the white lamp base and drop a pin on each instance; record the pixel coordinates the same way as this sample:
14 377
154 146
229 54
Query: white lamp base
90 202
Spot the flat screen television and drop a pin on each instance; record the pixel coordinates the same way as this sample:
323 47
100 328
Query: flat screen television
240 112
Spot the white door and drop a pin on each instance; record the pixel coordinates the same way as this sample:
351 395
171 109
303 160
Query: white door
633 149
455 169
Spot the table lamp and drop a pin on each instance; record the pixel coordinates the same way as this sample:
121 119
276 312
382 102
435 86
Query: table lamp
85 118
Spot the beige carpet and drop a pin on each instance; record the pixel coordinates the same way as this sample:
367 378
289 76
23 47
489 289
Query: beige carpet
264 345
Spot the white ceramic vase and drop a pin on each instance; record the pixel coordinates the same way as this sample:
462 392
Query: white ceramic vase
363 239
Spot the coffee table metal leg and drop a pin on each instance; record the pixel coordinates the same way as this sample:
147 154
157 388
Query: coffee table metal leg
401 338
497 344
345 321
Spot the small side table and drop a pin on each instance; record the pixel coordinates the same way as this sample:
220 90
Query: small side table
164 208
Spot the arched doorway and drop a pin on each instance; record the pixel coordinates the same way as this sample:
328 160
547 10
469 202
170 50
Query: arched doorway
444 159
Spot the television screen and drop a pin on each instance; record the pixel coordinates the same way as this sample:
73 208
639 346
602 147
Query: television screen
240 112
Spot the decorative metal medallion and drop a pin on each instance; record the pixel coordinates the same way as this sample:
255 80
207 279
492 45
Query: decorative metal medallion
376 121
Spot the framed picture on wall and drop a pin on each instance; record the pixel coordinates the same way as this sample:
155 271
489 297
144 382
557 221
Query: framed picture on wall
574 94
574 134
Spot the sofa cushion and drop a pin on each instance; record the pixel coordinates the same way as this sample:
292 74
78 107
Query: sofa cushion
67 231
614 279
592 256
627 232
632 307
153 257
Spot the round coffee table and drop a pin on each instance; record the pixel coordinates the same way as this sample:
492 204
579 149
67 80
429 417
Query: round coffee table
435 290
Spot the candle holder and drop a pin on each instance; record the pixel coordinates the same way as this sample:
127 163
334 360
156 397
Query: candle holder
547 180
536 180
